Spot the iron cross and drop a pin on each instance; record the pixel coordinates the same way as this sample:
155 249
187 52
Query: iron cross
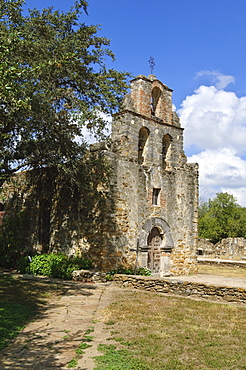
151 64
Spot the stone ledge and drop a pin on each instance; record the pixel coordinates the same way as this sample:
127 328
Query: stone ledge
185 288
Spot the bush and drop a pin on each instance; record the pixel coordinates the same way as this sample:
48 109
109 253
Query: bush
53 265
144 271
122 270
23 265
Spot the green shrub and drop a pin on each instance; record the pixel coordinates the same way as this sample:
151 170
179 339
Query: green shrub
54 265
121 270
23 265
83 263
144 271
128 271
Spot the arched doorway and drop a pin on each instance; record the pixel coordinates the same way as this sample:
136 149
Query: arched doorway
154 250
156 243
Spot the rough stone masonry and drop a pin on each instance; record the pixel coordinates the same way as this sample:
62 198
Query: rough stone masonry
156 190
147 215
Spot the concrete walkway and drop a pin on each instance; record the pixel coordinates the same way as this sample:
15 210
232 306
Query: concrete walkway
50 341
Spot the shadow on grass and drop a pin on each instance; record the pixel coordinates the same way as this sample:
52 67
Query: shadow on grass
23 301
13 318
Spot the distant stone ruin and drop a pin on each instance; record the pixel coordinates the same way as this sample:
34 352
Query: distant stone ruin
227 248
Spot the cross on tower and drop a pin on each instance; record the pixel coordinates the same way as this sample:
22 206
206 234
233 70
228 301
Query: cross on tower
151 64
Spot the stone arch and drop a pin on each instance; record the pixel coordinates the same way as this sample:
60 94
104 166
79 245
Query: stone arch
142 139
166 145
155 244
155 96
163 228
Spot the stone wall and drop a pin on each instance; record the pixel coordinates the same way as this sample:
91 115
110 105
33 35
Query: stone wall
183 288
149 157
226 248
58 217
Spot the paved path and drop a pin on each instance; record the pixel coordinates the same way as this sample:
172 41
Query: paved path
50 341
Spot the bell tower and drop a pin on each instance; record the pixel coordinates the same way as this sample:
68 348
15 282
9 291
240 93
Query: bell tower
155 188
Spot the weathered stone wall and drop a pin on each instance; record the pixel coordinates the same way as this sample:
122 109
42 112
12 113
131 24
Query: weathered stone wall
72 221
155 167
183 288
226 248
231 247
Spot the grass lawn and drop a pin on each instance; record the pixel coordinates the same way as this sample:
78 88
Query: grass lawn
151 331
159 332
219 270
20 302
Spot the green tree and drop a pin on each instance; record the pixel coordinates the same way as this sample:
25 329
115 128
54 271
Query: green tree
53 81
221 217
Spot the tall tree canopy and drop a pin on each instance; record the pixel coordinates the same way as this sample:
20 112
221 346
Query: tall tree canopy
53 81
221 218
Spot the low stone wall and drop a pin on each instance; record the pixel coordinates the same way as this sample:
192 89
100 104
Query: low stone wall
183 288
89 275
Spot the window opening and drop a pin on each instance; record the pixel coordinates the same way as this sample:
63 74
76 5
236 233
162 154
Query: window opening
142 138
155 96
166 141
155 196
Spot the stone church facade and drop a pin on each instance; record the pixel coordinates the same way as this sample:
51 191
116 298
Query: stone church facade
156 189
148 213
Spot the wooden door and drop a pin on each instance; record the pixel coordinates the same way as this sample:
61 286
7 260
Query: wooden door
154 244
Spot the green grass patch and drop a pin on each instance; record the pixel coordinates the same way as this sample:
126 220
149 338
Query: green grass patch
72 363
20 301
89 330
176 333
88 338
13 318
82 347
121 359
220 270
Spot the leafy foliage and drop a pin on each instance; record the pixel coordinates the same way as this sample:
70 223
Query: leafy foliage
53 81
221 218
13 243
128 271
55 265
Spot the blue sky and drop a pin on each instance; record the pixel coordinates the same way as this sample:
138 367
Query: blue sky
199 49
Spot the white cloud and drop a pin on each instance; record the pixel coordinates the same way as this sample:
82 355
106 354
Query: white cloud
215 127
214 119
218 79
221 171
